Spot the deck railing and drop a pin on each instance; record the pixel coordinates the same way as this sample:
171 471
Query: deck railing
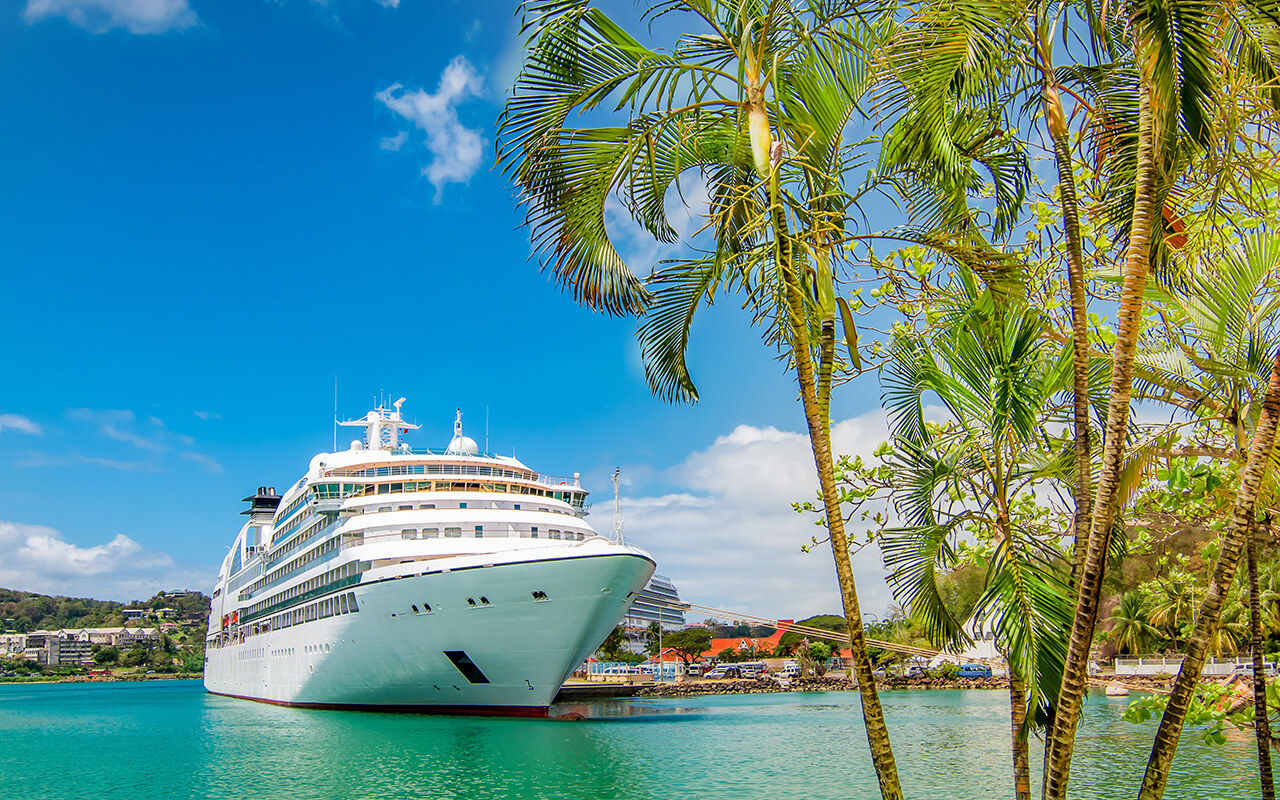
479 470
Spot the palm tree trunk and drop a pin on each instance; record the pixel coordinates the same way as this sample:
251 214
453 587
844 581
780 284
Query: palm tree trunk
1017 724
1238 531
1261 725
1079 325
1128 325
817 418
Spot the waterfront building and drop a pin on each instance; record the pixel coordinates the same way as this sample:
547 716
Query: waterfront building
115 637
60 652
68 647
12 644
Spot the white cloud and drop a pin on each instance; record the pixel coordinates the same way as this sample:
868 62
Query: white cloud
729 538
456 151
38 459
204 460
686 206
99 16
207 415
113 423
151 435
473 31
389 3
36 558
394 143
17 422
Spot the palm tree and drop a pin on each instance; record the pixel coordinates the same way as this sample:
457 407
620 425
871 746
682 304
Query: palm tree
997 376
1210 357
1175 608
1177 49
757 98
1234 539
1130 629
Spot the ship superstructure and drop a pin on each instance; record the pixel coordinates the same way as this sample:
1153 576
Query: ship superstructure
391 577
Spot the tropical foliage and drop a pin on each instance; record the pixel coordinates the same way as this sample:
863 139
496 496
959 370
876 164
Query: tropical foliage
1021 502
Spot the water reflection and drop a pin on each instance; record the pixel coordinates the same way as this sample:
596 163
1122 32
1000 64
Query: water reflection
330 754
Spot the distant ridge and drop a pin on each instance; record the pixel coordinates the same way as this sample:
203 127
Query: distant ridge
29 611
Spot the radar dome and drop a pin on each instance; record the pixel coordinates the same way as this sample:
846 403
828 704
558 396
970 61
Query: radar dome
462 445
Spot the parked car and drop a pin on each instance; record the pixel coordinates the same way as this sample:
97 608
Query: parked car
1246 670
974 671
918 672
693 670
725 671
790 670
751 669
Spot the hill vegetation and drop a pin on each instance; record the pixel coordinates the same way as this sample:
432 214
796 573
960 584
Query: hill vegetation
28 611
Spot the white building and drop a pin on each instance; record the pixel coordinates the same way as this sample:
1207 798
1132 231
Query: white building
981 651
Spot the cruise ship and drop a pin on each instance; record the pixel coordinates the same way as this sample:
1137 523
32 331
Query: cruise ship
394 578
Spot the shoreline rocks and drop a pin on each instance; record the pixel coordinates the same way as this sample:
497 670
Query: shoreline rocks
767 685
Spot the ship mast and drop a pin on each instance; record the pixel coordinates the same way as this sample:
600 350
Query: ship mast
382 427
617 509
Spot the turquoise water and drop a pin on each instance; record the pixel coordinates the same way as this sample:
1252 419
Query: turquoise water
168 739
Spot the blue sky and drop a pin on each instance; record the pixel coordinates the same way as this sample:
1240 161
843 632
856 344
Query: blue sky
210 210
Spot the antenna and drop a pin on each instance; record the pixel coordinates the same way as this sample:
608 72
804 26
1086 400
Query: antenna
335 413
617 510
486 429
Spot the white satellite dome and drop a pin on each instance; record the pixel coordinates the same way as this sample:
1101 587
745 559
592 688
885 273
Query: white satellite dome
462 446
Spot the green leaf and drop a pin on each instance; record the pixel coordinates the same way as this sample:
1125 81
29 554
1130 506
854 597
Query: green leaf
850 333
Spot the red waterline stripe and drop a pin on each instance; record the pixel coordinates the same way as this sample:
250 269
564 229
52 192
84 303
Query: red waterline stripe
531 712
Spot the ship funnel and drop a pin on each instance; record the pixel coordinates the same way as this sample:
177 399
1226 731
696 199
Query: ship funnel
262 505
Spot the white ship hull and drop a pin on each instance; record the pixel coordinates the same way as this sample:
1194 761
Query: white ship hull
387 657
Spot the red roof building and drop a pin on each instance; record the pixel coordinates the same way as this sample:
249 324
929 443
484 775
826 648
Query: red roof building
764 645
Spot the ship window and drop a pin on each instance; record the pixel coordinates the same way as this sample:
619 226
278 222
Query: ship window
471 601
409 534
384 508
479 531
430 533
554 534
383 488
539 596
466 666
406 508
534 531
426 608
395 488
453 533
517 506
351 601
415 608
342 604
484 601
427 505
462 505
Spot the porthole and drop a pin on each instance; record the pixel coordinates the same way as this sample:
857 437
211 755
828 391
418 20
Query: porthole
471 602
484 601
415 609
